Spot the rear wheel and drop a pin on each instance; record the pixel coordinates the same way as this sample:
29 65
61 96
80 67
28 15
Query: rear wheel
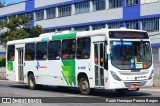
31 82
84 86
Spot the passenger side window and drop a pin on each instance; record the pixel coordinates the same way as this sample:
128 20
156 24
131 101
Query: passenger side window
30 51
83 48
41 51
11 53
68 49
54 48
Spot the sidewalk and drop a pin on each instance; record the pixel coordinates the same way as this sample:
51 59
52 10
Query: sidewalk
156 82
2 73
152 89
2 76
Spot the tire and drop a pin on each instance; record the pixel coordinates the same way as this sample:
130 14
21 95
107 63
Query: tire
121 91
84 86
32 82
38 86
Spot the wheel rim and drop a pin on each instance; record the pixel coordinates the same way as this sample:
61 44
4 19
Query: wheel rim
84 85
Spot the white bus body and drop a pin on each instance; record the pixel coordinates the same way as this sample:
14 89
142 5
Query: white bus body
100 70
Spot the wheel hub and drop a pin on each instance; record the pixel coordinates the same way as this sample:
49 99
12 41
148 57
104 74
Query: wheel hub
31 83
84 85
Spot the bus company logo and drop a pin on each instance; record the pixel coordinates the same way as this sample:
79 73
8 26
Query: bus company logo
39 66
6 100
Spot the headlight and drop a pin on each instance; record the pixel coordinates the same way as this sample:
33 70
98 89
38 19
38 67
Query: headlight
115 76
151 75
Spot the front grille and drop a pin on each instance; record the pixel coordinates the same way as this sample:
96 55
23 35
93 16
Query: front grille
129 84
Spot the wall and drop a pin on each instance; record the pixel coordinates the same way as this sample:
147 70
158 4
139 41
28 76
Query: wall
40 3
83 18
12 9
151 8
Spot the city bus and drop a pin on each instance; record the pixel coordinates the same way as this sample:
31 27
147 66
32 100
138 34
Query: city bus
119 59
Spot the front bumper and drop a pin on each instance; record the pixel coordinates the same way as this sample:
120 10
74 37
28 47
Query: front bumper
127 84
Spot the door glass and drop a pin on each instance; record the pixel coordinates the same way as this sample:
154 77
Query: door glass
99 64
105 58
20 64
102 76
19 57
96 75
96 53
101 55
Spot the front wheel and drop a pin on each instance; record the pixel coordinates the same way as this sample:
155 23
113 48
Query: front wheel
84 86
32 82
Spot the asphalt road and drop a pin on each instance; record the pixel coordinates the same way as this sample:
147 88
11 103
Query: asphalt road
11 89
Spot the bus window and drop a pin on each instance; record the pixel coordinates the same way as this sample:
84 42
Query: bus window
41 51
54 48
11 53
83 48
30 51
68 49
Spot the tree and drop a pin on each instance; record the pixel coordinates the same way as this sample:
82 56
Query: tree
2 3
18 27
35 31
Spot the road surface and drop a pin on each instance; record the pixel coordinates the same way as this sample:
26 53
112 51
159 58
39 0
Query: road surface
10 89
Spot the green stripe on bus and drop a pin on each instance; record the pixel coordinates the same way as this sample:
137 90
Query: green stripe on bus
64 36
69 71
10 65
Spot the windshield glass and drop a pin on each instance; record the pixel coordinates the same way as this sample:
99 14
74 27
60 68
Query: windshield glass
131 54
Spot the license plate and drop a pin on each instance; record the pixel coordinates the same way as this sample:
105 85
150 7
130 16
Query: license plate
135 86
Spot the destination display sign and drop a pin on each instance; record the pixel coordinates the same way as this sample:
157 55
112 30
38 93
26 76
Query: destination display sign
128 35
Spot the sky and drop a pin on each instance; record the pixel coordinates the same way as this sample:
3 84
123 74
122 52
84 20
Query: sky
12 1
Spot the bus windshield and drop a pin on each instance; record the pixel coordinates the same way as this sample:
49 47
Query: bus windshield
130 55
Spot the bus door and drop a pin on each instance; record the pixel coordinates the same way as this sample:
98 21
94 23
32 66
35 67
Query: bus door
20 65
99 64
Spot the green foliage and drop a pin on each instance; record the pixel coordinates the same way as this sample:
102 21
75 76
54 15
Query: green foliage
35 31
1 5
2 62
158 77
18 27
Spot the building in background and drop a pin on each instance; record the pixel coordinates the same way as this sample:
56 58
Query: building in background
84 15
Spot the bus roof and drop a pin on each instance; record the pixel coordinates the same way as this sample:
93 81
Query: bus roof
68 34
